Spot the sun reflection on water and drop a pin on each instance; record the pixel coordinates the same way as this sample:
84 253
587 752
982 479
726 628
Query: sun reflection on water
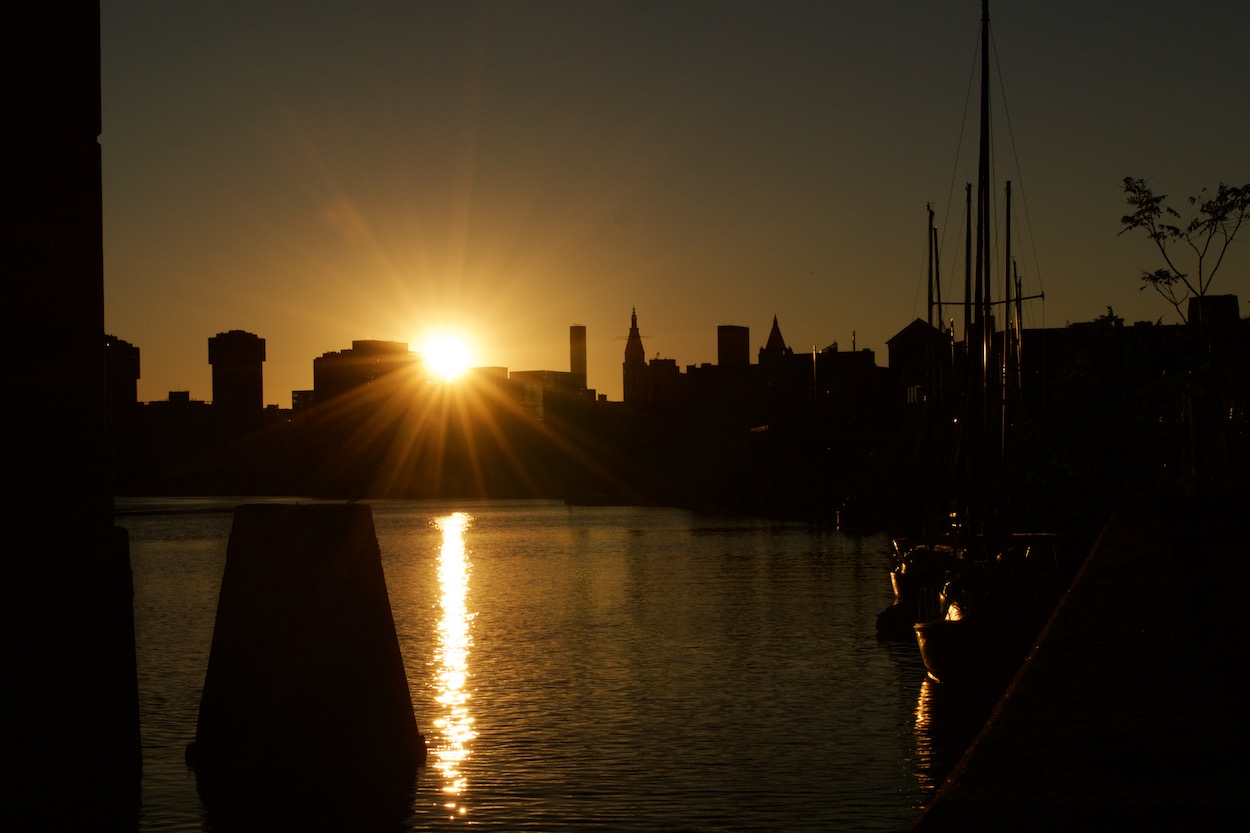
455 724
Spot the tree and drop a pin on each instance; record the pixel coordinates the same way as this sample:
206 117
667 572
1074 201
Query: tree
1208 235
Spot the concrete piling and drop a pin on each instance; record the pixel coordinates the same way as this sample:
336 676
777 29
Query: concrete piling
305 684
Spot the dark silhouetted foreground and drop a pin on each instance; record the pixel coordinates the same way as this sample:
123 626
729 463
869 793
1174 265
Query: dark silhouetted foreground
1127 715
70 731
305 694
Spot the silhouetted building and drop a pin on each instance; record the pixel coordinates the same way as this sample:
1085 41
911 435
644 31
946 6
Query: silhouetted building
368 361
920 359
577 354
634 369
733 345
849 386
121 379
178 399
775 349
494 374
649 384
121 405
665 382
538 390
237 358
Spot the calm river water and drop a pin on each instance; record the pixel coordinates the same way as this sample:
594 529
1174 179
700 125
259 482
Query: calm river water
612 668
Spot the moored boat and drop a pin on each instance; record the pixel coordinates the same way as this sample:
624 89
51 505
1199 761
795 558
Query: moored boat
990 613
917 577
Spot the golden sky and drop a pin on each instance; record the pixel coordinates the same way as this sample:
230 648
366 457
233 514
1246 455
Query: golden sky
317 172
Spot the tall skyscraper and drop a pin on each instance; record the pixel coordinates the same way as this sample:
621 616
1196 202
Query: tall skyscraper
577 354
733 345
634 369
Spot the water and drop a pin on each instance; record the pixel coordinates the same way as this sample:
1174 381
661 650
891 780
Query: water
606 668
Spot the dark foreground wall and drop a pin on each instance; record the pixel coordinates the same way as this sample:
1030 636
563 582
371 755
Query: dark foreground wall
1128 714
70 748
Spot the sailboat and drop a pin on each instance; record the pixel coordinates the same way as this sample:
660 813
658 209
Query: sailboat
975 583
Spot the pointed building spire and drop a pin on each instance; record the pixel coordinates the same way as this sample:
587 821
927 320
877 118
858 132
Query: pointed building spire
634 370
775 348
634 354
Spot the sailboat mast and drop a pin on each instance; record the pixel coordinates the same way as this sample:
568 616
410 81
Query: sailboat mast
983 181
1017 316
984 461
1007 267
968 267
937 270
929 234
1010 333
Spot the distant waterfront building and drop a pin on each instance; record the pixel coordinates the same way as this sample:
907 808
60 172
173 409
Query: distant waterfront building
338 373
537 389
634 369
237 358
494 374
121 396
121 375
577 353
301 400
920 361
558 379
665 383
733 345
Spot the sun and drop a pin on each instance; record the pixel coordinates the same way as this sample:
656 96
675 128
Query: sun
446 356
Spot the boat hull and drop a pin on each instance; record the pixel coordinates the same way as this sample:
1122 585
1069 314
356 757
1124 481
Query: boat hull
973 652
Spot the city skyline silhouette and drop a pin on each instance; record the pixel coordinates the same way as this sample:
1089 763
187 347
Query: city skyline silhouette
329 173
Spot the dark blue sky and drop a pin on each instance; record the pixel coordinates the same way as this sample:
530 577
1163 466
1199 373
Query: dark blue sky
318 172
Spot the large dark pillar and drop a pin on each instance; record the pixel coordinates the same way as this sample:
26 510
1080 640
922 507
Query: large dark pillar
70 726
305 703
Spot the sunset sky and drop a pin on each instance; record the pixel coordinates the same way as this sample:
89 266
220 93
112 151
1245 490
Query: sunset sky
317 172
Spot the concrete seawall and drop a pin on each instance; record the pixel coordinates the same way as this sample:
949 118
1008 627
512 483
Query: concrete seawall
1124 713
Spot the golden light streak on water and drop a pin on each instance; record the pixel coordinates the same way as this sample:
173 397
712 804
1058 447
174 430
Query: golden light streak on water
926 755
455 723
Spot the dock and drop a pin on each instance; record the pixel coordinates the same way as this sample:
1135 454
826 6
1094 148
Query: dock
1125 715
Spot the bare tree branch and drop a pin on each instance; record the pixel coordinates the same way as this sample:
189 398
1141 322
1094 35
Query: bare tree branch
1216 223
